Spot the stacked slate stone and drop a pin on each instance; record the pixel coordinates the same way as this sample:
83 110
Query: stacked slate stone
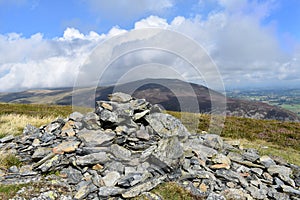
127 147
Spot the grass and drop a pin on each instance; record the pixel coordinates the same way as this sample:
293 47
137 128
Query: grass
9 191
272 150
14 117
35 110
13 124
7 160
170 190
280 133
32 189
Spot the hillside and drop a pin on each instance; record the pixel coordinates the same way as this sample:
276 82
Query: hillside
215 157
164 92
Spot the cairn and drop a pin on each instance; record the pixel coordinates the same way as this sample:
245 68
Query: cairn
127 147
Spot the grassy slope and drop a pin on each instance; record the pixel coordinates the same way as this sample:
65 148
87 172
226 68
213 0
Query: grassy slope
281 138
270 137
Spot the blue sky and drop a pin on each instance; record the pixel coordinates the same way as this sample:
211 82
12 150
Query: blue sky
253 42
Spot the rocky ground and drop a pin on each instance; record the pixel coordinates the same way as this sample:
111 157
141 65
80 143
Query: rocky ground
127 147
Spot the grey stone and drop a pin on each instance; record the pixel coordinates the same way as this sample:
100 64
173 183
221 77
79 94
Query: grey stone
92 159
258 171
214 196
7 138
237 157
283 173
108 116
277 195
91 121
251 155
26 170
90 150
220 161
47 137
76 116
169 151
95 138
166 125
290 190
105 191
73 176
266 161
213 141
130 179
152 196
41 152
143 134
66 147
278 182
50 164
139 104
139 115
197 146
115 166
119 97
42 161
13 169
143 187
111 178
31 130
96 179
120 152
155 109
231 176
235 194
257 193
52 127
82 192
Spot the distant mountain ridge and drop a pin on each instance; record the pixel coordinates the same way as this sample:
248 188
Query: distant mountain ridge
157 91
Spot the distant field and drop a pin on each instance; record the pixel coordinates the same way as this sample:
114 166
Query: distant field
292 107
284 98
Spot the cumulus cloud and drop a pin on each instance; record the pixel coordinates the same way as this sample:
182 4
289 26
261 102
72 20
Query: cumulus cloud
245 50
38 62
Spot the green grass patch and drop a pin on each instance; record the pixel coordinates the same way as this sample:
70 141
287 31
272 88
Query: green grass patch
8 160
170 190
9 191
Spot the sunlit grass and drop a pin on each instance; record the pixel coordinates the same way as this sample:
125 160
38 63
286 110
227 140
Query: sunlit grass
13 124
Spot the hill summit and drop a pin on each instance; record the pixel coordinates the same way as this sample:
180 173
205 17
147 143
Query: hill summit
127 147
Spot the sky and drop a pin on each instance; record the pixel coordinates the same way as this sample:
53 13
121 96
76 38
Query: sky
254 43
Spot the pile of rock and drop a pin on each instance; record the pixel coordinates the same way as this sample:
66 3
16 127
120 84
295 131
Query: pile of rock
127 147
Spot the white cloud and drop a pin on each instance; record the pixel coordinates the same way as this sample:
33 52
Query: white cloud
38 62
245 49
151 21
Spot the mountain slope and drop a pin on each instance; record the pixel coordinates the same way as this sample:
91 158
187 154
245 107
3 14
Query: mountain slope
174 95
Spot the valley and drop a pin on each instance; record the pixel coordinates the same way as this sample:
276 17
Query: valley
285 98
